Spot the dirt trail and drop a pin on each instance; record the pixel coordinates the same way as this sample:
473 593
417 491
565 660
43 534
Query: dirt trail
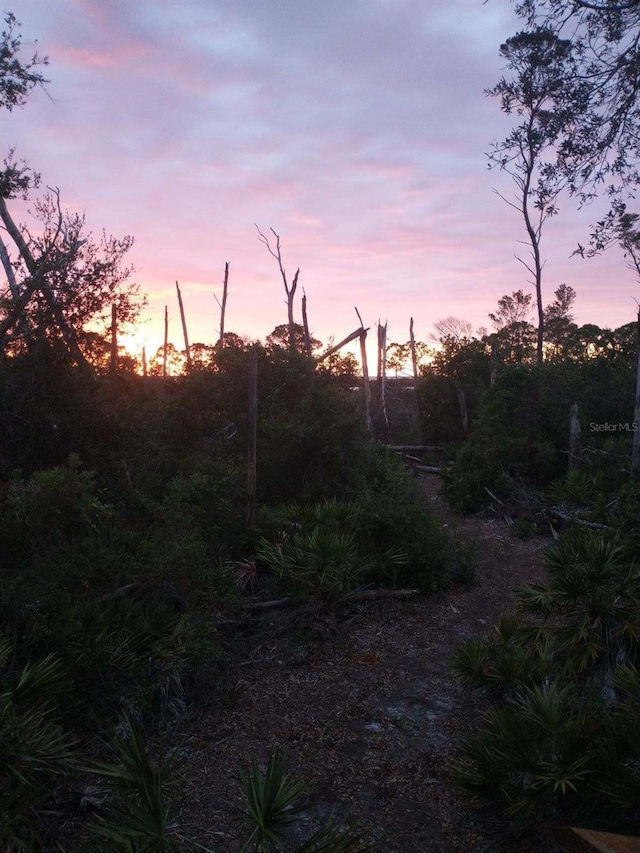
369 716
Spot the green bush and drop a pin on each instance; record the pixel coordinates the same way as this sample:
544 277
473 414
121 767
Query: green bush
121 655
383 535
560 742
521 431
35 753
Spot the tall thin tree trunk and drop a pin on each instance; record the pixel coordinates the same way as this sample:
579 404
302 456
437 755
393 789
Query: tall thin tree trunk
365 381
144 361
382 355
574 439
223 305
166 342
252 432
412 345
534 239
292 323
184 329
305 325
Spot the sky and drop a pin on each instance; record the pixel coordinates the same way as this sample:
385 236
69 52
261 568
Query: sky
356 129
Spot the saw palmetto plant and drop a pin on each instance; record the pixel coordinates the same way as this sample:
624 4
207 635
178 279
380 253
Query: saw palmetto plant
274 803
592 595
563 735
34 750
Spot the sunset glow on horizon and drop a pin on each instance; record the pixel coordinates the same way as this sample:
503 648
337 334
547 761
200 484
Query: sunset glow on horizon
358 131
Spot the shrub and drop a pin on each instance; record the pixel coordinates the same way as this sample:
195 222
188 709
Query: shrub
560 742
35 753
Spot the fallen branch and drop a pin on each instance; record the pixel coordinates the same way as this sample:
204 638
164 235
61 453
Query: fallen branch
356 595
415 448
276 604
493 497
574 519
375 594
429 469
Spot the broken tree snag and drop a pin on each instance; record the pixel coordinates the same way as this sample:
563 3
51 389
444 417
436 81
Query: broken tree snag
184 329
223 305
365 380
289 289
166 342
305 325
635 447
113 363
144 361
252 433
382 356
412 345
339 346
365 374
574 439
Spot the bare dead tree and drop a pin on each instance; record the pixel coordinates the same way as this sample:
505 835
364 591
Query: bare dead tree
412 344
166 342
365 374
305 325
223 305
289 288
382 359
184 329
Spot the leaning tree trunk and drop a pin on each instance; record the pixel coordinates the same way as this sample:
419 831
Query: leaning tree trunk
184 329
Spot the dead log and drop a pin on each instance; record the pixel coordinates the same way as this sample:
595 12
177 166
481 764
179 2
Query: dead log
575 519
577 840
415 448
357 596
